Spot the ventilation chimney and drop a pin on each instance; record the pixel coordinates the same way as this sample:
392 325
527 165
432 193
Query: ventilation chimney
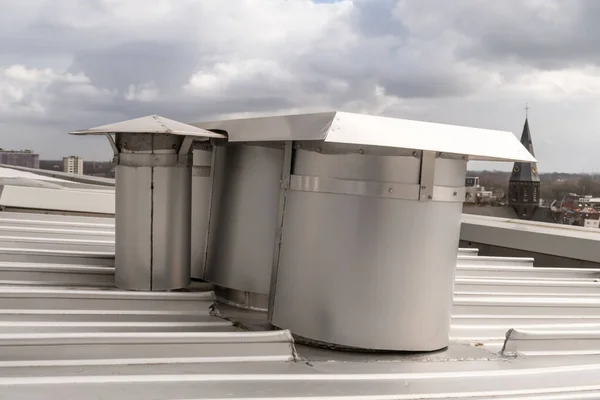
367 219
153 192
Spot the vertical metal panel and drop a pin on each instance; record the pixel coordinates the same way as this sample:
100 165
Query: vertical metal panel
171 227
133 245
243 216
335 246
201 187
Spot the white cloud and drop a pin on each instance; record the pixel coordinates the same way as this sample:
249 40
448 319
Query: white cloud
26 91
560 85
86 90
147 92
31 75
223 77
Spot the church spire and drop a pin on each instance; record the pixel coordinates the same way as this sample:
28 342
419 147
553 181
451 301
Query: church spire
524 171
524 184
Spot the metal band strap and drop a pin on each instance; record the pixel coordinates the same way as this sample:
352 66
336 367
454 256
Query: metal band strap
202 171
403 191
153 160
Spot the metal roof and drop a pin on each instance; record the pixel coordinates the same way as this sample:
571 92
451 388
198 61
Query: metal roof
40 174
554 239
149 124
25 190
517 332
359 129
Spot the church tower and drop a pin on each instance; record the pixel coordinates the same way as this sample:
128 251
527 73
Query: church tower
524 184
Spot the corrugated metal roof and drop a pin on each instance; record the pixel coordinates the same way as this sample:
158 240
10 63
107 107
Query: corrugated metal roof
66 333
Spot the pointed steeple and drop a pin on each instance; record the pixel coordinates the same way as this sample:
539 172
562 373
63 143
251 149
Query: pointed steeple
525 172
524 184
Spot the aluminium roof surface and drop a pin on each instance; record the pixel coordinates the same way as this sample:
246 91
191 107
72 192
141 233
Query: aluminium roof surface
65 332
555 239
517 332
26 190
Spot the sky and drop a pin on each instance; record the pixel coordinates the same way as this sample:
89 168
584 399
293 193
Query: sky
71 64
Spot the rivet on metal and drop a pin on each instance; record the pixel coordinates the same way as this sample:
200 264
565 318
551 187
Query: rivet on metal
415 153
423 187
318 150
391 190
429 197
361 151
455 193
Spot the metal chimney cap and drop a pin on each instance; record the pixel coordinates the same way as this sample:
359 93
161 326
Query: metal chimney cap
367 130
150 124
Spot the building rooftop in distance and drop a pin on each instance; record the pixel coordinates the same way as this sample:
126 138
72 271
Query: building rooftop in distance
518 332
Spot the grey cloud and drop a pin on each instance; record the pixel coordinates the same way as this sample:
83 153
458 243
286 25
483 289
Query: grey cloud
169 65
375 18
426 59
546 35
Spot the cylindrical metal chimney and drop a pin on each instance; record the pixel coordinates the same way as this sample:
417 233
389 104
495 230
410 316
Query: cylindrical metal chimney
366 223
153 201
152 213
369 248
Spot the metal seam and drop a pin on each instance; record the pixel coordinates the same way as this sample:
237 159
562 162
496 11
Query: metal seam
286 176
152 219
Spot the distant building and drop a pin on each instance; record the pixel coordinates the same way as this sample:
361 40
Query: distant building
523 192
73 165
20 158
476 194
524 183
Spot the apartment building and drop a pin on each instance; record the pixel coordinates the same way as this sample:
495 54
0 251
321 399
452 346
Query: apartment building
73 165
20 158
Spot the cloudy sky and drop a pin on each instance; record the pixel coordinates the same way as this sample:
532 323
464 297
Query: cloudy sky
71 64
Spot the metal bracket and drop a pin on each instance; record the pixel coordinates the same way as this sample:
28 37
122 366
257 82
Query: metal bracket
211 192
285 185
114 147
426 175
184 150
112 143
186 145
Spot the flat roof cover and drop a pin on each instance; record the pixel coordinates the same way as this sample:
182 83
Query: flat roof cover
360 129
149 124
